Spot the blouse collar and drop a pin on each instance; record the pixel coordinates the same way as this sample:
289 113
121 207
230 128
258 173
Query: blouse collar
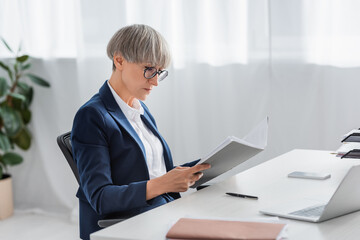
133 112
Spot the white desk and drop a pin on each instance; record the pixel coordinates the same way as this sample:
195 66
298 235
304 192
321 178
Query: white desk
270 183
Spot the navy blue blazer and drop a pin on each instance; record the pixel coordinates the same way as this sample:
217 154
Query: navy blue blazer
111 161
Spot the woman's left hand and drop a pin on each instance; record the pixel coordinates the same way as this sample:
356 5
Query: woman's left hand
178 179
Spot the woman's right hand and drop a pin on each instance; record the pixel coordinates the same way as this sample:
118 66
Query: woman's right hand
178 179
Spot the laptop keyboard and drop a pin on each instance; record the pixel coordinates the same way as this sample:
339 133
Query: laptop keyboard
310 211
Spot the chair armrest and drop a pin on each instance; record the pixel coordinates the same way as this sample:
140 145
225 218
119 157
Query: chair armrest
108 222
201 187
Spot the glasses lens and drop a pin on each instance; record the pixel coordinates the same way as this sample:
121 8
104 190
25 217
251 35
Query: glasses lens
150 72
163 75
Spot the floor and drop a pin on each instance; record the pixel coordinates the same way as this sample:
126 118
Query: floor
31 226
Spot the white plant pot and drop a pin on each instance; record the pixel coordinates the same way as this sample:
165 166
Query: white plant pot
6 197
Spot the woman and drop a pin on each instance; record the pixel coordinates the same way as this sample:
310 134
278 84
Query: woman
125 165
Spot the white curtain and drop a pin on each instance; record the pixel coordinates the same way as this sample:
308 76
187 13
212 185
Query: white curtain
234 62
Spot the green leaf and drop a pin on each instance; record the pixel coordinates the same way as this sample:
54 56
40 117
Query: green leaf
26 115
6 68
18 96
19 101
4 87
4 142
29 95
23 140
7 45
24 87
1 172
27 66
11 159
18 104
38 80
22 58
27 91
12 120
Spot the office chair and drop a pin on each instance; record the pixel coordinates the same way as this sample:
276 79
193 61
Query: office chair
64 142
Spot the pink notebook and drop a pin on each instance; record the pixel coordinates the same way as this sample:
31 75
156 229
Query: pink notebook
188 228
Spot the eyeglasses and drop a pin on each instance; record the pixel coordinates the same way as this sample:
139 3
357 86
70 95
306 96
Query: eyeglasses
150 72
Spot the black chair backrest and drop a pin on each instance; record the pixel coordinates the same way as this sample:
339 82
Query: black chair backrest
64 142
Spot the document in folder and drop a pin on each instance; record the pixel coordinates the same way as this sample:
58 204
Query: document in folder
347 147
352 136
234 151
188 228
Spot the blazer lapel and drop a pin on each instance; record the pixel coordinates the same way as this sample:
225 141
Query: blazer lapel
167 155
115 111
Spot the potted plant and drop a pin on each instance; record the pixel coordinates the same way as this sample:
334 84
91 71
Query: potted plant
15 114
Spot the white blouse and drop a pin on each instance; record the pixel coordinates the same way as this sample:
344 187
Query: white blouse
153 147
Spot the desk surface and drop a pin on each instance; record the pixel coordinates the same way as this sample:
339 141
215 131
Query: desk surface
270 183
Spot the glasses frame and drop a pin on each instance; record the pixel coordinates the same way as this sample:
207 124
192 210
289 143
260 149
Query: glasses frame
158 72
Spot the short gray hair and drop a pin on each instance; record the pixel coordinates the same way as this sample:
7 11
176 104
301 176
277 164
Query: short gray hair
140 44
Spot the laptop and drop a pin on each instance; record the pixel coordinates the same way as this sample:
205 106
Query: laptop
346 199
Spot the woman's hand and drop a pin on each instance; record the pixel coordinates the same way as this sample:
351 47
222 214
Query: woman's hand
178 179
